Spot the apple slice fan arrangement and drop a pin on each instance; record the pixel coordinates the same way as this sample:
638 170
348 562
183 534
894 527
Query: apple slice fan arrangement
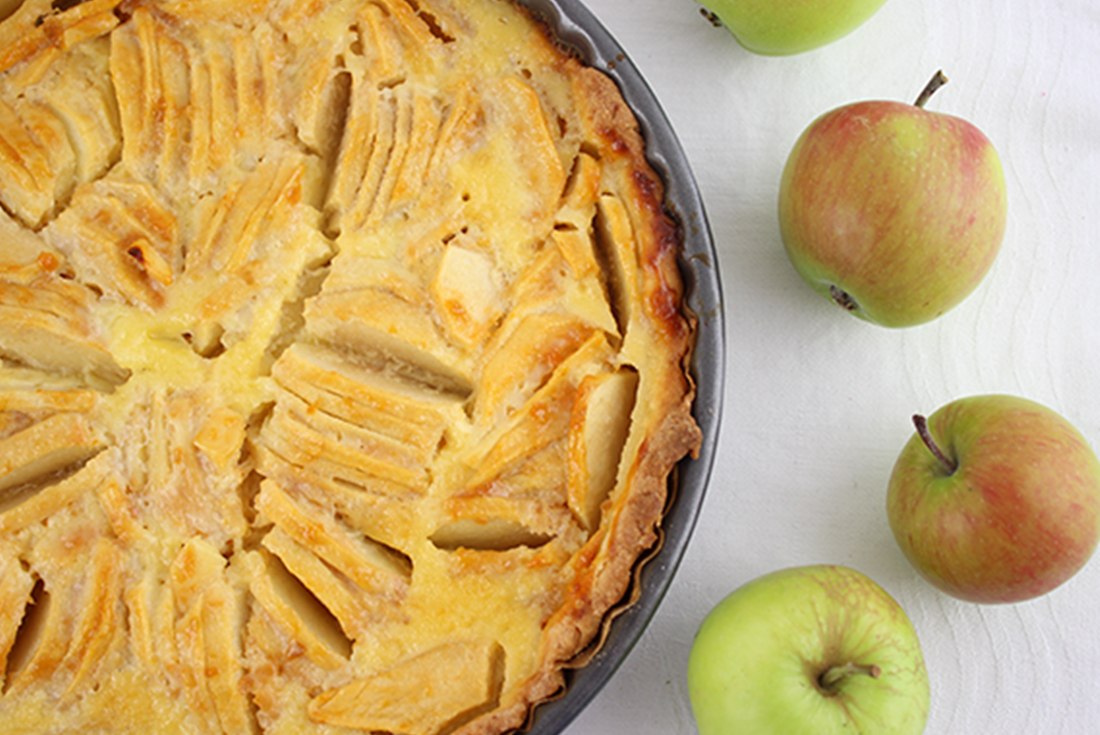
343 366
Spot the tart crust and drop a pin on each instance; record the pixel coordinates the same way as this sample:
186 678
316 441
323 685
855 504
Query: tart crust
343 365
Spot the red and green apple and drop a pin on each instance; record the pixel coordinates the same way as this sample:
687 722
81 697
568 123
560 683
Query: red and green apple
893 212
996 498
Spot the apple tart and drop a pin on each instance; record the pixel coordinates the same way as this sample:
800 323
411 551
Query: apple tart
343 365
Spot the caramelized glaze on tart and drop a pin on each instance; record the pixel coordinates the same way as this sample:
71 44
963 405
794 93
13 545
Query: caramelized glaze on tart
342 365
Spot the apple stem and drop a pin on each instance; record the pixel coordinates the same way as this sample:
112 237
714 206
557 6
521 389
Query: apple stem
926 436
937 81
830 681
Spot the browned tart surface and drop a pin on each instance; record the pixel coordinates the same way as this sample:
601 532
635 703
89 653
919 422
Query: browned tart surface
342 365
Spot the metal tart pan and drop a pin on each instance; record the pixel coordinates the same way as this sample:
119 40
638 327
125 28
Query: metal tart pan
577 28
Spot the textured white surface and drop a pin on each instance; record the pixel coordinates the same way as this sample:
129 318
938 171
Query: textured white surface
818 403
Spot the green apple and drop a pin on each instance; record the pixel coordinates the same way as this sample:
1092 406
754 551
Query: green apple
893 212
814 649
784 27
996 498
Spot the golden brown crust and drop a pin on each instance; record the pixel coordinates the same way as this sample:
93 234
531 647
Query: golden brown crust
343 366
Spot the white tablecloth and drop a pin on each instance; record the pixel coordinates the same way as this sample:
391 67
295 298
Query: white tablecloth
818 404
